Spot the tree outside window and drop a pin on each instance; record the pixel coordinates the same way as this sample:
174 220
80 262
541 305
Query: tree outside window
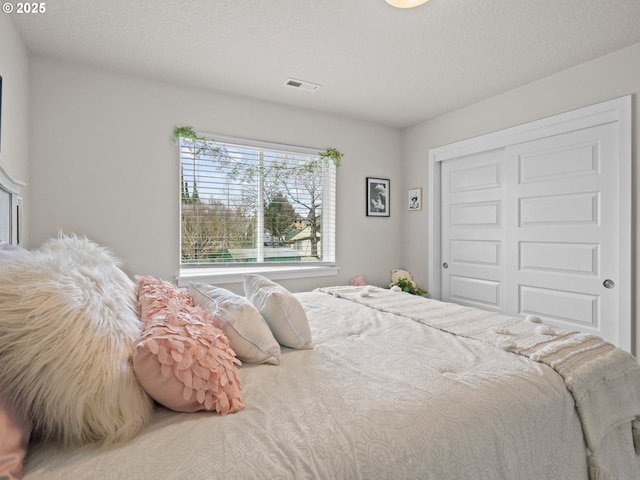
245 201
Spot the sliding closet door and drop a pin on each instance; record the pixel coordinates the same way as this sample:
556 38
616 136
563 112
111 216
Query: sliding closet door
536 220
563 257
473 230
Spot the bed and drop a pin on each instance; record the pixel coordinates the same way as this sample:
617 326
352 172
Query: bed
384 385
379 396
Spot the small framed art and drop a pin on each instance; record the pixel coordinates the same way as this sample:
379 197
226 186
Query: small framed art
378 197
414 198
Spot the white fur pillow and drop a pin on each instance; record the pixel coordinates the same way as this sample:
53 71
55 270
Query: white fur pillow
67 323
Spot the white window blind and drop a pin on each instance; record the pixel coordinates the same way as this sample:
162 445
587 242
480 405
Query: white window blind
254 202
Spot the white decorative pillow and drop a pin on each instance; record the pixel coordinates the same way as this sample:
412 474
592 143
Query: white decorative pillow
247 331
67 323
282 311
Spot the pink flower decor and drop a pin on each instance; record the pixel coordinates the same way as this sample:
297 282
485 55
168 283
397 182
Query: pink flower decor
182 360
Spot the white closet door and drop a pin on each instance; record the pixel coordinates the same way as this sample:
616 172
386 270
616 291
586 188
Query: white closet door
473 230
563 230
532 228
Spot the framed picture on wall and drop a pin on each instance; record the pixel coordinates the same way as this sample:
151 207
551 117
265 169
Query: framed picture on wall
414 198
378 197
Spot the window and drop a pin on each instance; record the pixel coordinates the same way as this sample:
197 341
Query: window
254 202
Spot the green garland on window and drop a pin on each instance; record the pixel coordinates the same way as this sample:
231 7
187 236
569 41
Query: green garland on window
333 155
185 132
329 155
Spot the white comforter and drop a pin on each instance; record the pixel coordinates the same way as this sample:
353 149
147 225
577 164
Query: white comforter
380 396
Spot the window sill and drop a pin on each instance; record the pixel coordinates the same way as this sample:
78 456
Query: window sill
234 275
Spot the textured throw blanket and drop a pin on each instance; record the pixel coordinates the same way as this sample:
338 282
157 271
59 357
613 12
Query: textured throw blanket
603 380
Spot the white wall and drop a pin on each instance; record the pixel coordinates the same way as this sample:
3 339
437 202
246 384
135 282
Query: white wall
14 69
103 164
608 77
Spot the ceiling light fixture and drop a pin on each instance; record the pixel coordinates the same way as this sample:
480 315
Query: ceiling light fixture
406 3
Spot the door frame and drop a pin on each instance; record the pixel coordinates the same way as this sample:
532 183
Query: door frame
612 111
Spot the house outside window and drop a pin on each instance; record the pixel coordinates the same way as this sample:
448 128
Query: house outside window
249 202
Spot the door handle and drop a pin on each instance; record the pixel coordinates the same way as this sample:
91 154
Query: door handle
445 265
608 283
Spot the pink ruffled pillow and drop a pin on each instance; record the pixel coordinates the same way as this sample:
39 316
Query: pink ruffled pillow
182 360
15 430
154 296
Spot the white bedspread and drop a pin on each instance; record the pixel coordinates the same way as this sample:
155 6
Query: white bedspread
380 396
603 380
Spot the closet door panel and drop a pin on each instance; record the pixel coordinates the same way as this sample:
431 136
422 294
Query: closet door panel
473 230
566 230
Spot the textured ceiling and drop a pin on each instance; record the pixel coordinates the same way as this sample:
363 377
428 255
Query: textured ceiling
374 62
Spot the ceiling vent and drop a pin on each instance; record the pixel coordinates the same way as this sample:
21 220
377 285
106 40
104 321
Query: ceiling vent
302 85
